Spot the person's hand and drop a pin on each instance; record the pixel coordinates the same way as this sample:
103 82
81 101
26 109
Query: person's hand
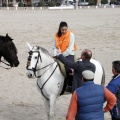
55 57
58 51
72 72
104 110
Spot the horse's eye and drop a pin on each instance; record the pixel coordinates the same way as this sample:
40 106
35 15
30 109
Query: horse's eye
35 57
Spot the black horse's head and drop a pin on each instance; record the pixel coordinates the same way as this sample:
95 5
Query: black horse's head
8 50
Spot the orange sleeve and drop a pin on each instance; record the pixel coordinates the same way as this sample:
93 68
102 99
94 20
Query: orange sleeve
72 110
110 98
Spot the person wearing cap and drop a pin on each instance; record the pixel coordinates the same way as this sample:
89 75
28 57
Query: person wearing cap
87 100
114 87
78 66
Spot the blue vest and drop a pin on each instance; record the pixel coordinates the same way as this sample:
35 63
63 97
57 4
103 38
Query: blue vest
114 86
90 102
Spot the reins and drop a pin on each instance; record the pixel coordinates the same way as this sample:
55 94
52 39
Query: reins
7 65
45 71
45 83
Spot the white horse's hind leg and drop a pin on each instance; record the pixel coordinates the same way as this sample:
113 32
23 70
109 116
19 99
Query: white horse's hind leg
52 107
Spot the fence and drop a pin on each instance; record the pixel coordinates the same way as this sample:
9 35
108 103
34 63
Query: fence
59 8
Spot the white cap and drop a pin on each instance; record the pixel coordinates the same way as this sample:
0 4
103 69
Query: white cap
88 75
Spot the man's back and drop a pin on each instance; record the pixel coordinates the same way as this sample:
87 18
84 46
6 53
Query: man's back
81 66
78 67
115 81
90 102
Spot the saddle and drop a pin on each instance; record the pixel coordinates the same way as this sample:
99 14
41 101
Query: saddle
63 71
62 67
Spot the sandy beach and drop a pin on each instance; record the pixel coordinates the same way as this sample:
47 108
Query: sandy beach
94 29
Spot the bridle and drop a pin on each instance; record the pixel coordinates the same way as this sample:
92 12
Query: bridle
35 69
5 64
3 61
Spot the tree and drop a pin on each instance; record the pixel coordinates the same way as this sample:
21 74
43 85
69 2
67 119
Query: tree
104 1
92 2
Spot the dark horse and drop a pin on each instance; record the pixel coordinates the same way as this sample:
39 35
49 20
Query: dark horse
8 51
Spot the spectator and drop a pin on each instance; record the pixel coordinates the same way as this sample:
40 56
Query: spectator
114 87
87 101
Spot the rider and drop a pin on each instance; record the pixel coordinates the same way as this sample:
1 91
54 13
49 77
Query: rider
65 40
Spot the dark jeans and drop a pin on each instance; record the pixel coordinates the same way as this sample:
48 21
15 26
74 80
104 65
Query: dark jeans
115 118
68 69
112 118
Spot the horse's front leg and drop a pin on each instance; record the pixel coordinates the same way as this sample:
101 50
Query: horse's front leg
47 106
52 107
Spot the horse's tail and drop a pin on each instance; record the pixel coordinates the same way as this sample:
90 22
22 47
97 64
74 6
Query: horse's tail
103 76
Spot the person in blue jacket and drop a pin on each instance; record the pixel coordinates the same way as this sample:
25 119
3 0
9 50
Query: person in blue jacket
114 87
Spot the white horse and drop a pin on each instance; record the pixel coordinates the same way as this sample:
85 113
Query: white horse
50 80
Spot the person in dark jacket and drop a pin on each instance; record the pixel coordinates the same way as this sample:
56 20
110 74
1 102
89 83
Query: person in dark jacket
114 87
87 100
78 66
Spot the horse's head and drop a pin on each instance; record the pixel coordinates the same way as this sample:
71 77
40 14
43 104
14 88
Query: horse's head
8 50
33 60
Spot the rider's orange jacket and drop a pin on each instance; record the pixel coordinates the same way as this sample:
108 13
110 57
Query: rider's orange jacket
63 41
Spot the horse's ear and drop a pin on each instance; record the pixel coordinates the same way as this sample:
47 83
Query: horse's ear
29 46
38 47
7 35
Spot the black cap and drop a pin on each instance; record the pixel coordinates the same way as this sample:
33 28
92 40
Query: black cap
116 65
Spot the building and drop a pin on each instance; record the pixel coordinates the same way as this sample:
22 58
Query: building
4 3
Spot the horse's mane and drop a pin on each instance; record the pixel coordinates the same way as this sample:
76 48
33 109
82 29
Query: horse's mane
14 47
43 50
2 38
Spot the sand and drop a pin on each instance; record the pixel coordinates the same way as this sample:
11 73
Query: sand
94 29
